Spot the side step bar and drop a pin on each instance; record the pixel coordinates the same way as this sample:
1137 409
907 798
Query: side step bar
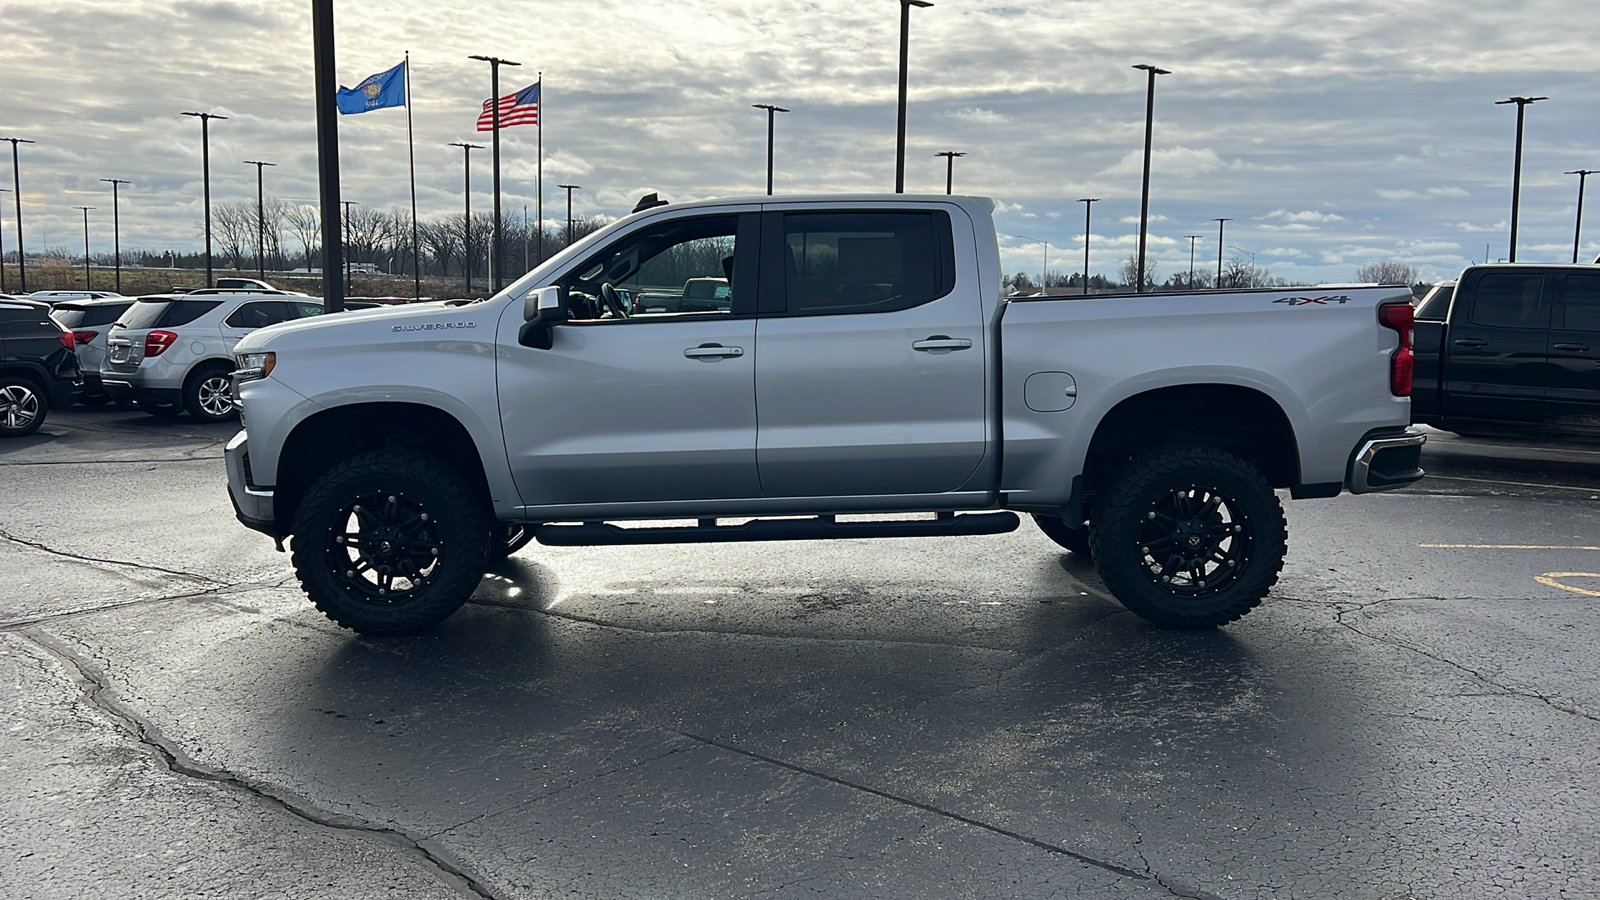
813 528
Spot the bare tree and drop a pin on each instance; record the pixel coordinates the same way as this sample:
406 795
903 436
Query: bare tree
305 223
1387 273
1130 271
233 228
1238 273
441 243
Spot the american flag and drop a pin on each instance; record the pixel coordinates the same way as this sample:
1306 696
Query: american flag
521 108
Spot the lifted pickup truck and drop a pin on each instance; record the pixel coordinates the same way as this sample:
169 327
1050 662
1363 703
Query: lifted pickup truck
1511 349
866 364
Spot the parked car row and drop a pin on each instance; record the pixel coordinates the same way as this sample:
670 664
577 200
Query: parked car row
165 354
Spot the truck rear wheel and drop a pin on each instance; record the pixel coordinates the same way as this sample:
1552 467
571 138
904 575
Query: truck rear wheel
390 542
1189 537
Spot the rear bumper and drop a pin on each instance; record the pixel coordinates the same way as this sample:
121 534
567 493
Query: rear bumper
252 505
1386 461
124 391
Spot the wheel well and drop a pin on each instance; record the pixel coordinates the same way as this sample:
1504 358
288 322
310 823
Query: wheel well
1240 420
200 368
340 433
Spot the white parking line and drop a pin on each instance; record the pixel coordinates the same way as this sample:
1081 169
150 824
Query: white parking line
1506 547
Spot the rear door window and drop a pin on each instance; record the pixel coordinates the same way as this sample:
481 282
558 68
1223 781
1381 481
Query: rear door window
1580 296
866 261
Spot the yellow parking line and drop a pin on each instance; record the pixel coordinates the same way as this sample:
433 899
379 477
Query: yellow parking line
1550 578
1504 547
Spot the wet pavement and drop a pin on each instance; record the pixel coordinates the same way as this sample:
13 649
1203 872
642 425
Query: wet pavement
1413 713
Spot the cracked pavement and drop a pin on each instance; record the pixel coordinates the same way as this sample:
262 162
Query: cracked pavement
908 718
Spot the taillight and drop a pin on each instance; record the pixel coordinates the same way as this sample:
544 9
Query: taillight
157 342
1401 318
84 337
65 337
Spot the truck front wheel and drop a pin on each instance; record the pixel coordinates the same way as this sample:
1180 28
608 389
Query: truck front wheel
1189 537
390 542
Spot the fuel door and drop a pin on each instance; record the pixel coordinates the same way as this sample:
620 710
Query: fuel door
1049 391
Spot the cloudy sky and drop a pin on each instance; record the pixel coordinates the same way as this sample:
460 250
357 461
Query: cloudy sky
1333 133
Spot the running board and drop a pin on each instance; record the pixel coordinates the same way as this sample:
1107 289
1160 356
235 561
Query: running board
813 528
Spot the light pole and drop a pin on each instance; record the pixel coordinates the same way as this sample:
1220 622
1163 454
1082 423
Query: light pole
1516 173
261 220
16 193
116 231
1577 230
1219 249
347 204
205 162
85 244
771 114
900 133
466 221
495 63
1192 238
3 247
949 167
1088 204
1044 274
569 188
1144 191
1252 262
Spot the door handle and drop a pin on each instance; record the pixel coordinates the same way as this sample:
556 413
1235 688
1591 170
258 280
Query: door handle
1471 342
713 351
1577 348
941 342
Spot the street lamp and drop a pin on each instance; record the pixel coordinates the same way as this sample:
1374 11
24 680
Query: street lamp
771 111
1088 204
347 282
1219 249
1577 230
205 162
1192 237
495 63
1516 173
949 167
85 244
261 221
1144 192
1044 275
1252 262
466 222
900 133
116 230
16 188
3 247
569 189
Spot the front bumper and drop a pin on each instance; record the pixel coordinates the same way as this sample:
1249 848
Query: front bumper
1386 461
252 505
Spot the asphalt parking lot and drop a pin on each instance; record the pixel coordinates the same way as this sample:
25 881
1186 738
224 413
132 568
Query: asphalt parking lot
1415 712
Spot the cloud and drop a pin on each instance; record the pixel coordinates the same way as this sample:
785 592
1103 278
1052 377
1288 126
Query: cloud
1173 162
1303 216
1401 194
978 116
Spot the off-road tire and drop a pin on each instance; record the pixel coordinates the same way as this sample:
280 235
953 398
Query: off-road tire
392 517
1188 537
1056 529
506 538
23 406
208 394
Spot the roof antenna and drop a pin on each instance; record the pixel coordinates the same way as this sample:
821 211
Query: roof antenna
649 201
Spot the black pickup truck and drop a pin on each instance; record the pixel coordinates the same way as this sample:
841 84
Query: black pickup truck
1510 349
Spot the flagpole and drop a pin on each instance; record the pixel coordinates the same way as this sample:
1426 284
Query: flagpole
411 146
540 178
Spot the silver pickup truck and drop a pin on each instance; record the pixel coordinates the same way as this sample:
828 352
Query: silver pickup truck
866 380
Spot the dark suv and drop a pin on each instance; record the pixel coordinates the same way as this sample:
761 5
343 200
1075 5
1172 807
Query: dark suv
38 366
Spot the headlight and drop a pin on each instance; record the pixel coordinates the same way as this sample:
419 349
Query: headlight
253 366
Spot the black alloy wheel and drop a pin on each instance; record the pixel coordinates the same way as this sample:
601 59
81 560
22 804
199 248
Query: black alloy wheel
390 542
1189 538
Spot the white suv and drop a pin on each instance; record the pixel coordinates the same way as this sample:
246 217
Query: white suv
174 352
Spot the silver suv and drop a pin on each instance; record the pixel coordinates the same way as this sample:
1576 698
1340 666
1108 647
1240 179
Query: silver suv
174 352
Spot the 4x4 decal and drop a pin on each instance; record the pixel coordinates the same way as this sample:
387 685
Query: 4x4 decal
1321 301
